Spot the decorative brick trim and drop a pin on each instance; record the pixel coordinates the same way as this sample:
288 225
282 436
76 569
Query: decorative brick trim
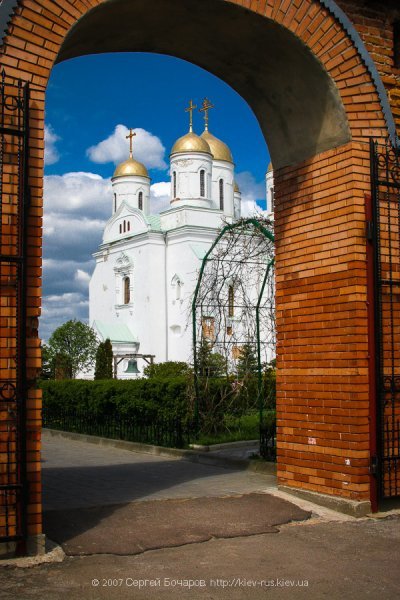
7 8
369 63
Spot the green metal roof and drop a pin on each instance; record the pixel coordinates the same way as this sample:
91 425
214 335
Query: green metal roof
154 221
115 333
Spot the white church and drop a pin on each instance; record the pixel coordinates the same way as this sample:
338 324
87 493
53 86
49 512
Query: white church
147 265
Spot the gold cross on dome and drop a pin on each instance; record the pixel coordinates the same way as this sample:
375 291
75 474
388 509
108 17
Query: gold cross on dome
131 135
190 110
205 107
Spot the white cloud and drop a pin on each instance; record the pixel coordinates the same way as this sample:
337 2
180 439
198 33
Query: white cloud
251 192
82 276
160 196
57 309
78 193
77 206
51 154
147 148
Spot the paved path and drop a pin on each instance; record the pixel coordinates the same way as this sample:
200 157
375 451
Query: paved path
304 561
78 474
237 549
101 499
174 529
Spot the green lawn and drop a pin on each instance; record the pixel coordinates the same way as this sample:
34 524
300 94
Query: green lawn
236 429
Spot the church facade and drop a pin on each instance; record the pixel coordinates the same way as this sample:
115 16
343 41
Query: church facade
147 265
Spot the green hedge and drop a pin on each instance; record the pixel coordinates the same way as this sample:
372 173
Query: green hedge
134 398
161 398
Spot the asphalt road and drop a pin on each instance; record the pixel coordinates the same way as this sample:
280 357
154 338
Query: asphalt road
77 474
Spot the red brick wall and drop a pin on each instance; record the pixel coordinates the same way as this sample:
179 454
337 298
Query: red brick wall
321 271
374 22
323 389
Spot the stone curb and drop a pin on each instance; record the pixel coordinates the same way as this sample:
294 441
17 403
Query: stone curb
225 446
201 457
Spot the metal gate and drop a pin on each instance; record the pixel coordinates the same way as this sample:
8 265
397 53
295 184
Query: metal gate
14 119
385 177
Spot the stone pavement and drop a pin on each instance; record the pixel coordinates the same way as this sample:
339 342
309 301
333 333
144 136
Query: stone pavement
77 474
176 535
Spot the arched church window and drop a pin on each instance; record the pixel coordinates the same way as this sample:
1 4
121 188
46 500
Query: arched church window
174 183
140 203
231 301
124 226
221 194
178 288
176 284
202 183
127 290
129 226
120 227
272 198
115 202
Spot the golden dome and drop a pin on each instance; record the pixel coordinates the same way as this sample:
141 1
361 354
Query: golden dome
270 168
236 188
190 143
130 167
219 150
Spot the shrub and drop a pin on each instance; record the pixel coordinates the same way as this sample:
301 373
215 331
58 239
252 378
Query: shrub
135 398
168 369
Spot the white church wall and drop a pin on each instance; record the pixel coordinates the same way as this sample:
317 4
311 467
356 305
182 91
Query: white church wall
187 167
126 189
126 222
223 170
179 216
150 314
183 263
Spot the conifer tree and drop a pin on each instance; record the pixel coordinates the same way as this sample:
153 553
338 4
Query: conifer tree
247 364
209 363
104 356
109 359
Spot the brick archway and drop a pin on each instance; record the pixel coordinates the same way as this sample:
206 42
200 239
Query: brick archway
321 182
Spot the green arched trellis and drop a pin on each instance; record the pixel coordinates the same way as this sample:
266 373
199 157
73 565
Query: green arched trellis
242 228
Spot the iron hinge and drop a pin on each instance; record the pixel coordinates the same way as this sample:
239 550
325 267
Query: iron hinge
373 465
369 231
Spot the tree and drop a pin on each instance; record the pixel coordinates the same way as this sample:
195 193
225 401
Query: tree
247 364
104 361
47 371
73 347
209 363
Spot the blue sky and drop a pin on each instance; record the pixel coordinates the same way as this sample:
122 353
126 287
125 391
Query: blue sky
87 99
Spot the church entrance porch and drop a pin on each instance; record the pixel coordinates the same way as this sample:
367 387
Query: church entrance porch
318 96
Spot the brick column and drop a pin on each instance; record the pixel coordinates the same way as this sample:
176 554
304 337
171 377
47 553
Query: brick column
322 383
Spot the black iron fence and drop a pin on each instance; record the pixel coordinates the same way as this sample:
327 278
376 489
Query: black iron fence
385 236
268 442
158 431
171 433
14 206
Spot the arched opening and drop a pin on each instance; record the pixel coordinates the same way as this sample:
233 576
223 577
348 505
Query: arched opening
290 95
295 82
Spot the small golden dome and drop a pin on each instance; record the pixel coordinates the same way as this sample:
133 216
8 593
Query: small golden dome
270 168
236 188
130 167
219 150
190 143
